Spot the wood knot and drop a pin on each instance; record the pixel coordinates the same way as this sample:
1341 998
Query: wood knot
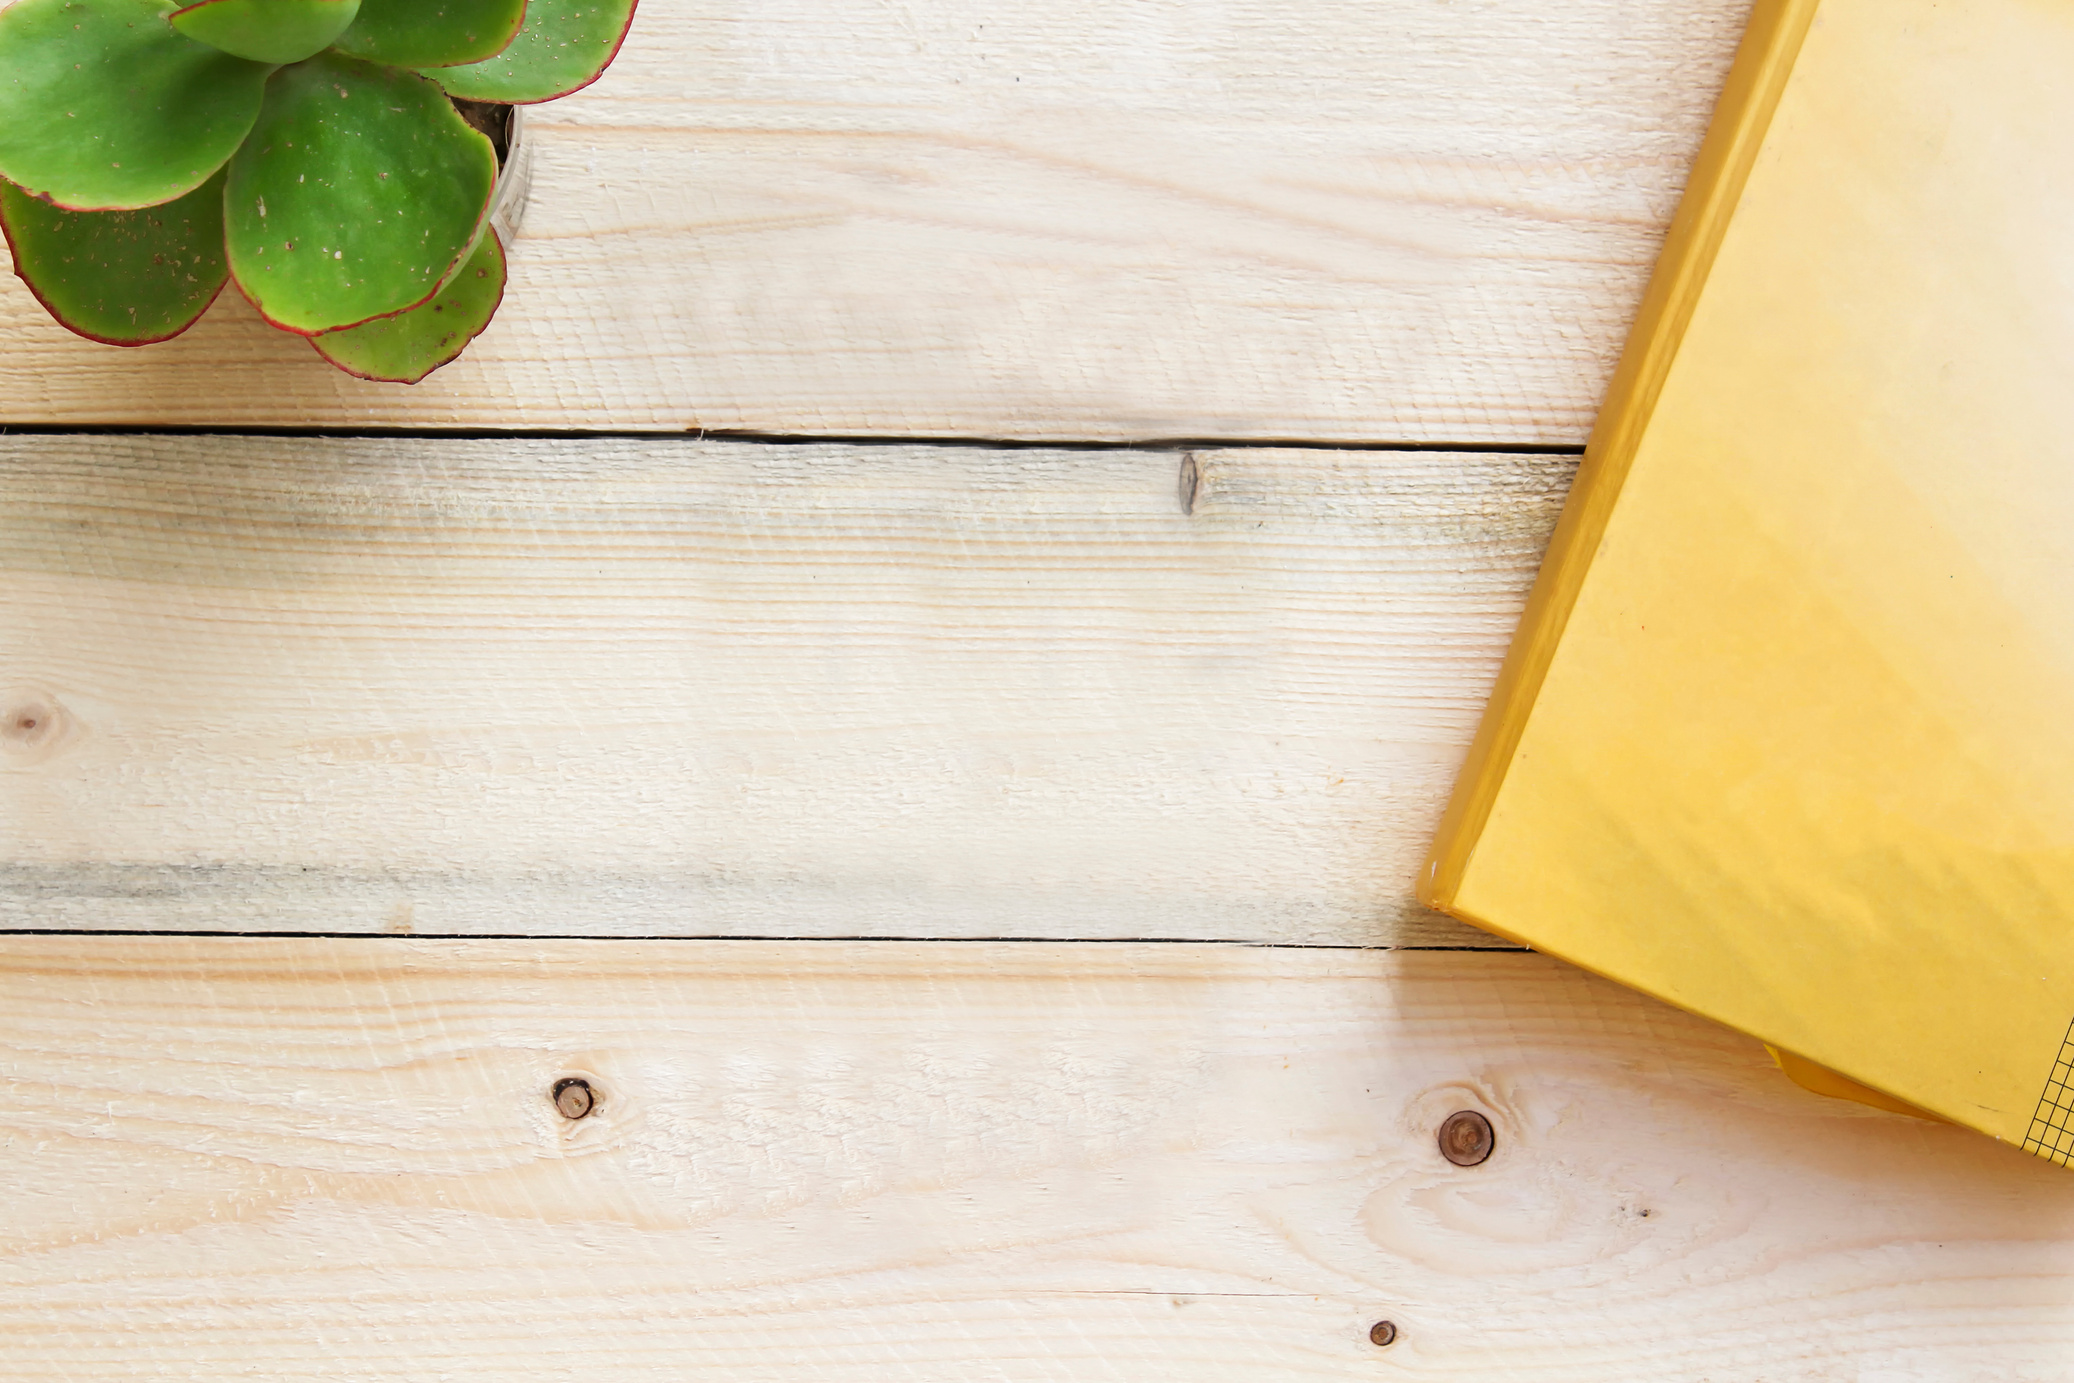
1190 480
1383 1333
1466 1138
31 726
574 1098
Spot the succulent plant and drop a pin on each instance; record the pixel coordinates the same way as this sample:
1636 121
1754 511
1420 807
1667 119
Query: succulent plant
328 155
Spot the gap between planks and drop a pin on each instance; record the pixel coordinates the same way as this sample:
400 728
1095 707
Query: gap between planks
1479 947
781 439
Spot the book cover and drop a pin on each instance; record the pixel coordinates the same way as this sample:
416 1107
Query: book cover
1786 737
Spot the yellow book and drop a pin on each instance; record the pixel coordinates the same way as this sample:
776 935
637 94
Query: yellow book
1787 734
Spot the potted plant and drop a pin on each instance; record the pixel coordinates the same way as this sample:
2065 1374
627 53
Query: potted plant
342 160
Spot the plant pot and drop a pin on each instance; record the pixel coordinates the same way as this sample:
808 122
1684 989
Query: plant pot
504 126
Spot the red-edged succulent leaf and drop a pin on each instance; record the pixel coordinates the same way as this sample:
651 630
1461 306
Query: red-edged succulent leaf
272 31
124 277
103 106
358 193
564 46
405 348
432 33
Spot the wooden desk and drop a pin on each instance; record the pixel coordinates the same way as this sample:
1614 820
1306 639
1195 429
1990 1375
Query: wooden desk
971 866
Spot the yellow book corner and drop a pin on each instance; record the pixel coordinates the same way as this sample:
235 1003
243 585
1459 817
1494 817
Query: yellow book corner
1787 734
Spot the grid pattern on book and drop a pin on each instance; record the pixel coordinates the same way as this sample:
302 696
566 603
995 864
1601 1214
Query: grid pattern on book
2050 1137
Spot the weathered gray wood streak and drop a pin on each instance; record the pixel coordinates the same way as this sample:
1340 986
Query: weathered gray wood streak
1361 220
665 688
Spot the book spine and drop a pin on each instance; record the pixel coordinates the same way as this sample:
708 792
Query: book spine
1763 63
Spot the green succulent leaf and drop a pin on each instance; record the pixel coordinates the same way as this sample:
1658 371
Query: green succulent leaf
267 30
432 33
127 278
564 46
103 106
405 348
358 193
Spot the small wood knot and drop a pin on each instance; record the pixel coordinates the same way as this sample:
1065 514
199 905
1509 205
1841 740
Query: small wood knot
1466 1138
1191 478
29 724
574 1097
33 726
1383 1333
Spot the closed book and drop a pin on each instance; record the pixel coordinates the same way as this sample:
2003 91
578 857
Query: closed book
1786 736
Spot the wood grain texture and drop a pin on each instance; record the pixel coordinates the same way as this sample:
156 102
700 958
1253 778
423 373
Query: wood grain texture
668 687
855 1161
1351 220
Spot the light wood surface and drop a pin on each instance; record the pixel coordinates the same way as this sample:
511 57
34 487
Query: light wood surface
420 693
338 1160
1340 220
667 688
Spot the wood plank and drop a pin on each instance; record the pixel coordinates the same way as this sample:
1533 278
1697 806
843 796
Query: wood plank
666 687
338 1159
1413 219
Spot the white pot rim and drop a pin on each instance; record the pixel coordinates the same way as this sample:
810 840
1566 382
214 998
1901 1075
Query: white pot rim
514 179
